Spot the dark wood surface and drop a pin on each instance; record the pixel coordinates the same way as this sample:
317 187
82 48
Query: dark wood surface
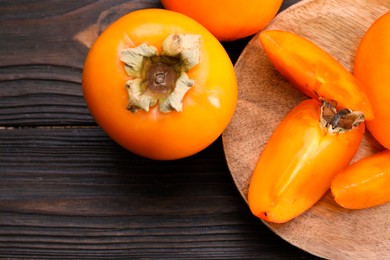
68 191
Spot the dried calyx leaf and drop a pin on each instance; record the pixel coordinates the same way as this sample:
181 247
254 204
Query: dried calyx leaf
185 47
338 121
161 79
134 57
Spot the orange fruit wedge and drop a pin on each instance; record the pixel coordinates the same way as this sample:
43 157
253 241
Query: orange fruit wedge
313 71
365 183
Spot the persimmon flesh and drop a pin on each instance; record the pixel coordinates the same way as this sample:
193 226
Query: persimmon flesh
295 169
365 183
313 71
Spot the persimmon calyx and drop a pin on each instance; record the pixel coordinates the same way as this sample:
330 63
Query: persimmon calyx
339 121
161 78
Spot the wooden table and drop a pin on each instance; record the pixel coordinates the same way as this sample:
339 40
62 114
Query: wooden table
68 191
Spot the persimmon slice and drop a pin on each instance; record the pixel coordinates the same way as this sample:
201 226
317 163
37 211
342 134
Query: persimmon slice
314 71
307 149
365 183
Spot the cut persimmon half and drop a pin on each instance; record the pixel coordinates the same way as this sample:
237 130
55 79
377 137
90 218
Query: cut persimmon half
314 71
309 147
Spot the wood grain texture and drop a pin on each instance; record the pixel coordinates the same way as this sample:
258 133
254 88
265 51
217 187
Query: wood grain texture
265 97
69 192
73 193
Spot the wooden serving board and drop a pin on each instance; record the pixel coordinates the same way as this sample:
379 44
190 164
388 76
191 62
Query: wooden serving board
265 97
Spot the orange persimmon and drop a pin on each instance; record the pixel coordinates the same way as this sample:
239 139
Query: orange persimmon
372 65
313 71
228 19
160 84
364 184
309 147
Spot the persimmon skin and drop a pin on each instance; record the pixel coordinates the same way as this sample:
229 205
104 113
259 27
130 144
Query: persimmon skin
372 70
228 20
207 107
313 71
298 164
365 183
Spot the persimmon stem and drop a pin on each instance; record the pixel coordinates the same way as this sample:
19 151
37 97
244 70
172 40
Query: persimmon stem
161 78
339 121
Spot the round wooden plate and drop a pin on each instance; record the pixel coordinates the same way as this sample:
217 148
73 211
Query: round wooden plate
265 97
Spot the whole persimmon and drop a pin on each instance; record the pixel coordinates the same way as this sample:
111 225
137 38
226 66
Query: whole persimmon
372 65
160 84
228 19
